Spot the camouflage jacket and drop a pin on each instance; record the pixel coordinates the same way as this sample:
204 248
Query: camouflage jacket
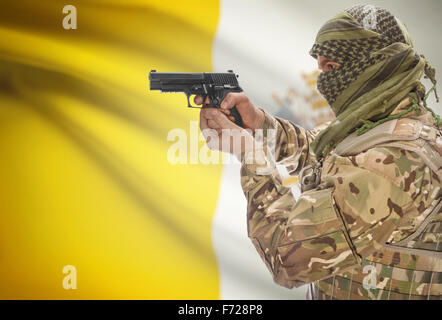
334 236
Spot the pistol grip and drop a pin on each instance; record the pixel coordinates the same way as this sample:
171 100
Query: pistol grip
238 120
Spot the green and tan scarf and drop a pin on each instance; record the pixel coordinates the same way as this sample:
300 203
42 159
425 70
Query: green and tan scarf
378 68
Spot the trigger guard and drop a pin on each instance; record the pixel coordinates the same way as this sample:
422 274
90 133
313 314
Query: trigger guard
188 95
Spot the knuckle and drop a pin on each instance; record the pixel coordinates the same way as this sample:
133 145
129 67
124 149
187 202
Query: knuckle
229 95
244 98
206 115
219 116
230 98
236 97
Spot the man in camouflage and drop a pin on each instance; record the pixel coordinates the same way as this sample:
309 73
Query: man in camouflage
368 222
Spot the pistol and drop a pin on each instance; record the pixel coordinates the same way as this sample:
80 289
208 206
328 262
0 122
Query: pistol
207 84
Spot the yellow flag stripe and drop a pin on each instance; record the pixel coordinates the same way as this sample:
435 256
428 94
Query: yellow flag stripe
84 176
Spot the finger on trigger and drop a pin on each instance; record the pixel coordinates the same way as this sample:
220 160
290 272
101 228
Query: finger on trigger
198 100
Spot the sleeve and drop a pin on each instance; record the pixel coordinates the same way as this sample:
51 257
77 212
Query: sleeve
290 142
329 229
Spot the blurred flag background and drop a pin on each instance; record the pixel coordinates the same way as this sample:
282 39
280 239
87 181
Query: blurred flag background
84 175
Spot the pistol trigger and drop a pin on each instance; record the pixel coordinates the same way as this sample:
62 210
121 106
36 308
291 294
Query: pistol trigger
188 100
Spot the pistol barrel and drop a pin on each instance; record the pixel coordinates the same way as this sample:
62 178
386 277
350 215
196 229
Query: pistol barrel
166 81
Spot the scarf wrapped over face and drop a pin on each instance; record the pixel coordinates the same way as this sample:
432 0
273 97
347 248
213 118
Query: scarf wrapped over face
378 69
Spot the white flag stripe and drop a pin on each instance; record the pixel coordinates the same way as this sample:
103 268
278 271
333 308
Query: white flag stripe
267 44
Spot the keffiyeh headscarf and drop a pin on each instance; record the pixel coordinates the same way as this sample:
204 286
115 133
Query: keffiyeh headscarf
378 68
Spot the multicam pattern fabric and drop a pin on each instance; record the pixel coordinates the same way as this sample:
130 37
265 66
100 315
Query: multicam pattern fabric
378 68
332 233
